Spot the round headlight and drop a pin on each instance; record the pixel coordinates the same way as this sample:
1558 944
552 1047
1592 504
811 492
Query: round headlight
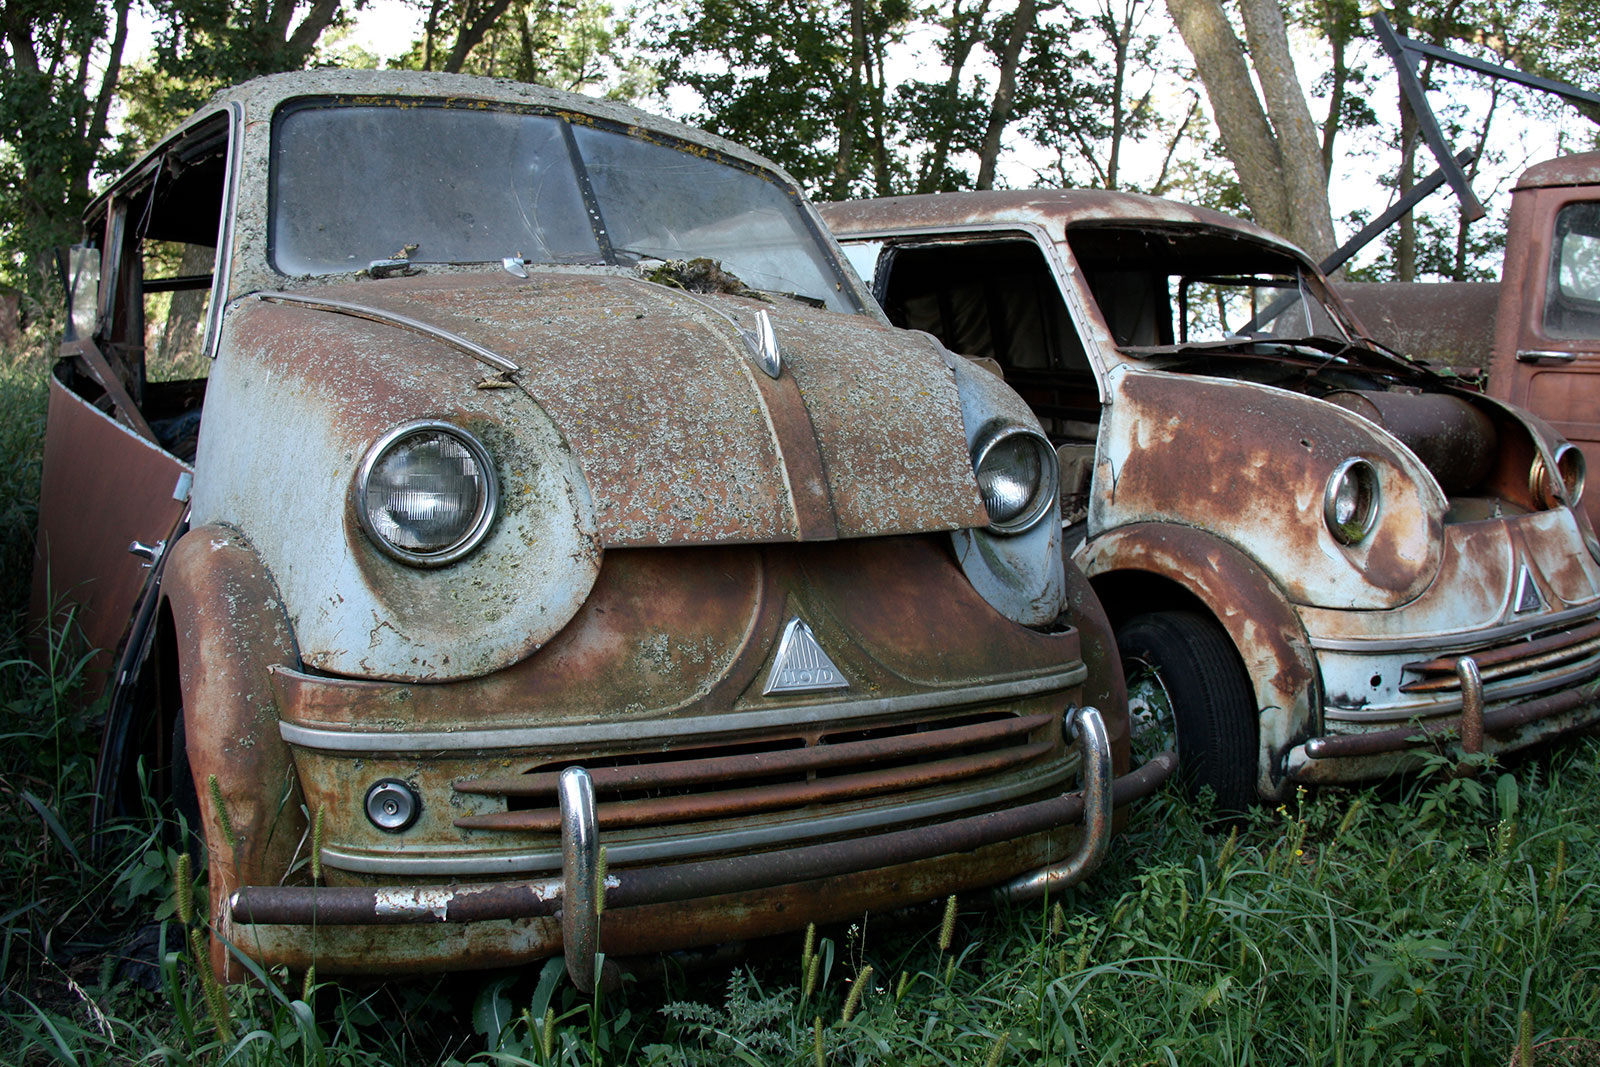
1571 470
426 493
1017 477
1350 503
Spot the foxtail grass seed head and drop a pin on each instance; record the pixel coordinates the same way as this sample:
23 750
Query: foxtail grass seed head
1525 1039
221 806
1082 959
808 948
216 999
949 971
600 882
1229 847
858 989
947 928
547 1035
997 1050
902 986
183 889
316 846
1058 920
310 983
1348 821
812 974
1061 961
1559 869
818 1054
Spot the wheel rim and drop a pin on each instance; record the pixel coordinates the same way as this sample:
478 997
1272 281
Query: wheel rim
1152 726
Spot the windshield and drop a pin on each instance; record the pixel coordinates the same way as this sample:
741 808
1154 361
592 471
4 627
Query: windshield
1257 306
1159 286
357 183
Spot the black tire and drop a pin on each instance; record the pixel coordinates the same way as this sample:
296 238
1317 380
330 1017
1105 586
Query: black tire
1216 725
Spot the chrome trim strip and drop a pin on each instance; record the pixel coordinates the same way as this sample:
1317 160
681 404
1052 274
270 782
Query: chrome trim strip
1493 695
1476 638
656 848
392 318
665 730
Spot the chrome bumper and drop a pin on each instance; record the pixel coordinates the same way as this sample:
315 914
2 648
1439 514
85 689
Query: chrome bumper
574 897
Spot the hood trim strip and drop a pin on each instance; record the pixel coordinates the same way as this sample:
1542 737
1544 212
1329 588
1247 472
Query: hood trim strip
657 731
391 318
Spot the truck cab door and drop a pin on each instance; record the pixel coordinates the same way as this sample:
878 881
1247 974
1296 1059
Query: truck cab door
1547 345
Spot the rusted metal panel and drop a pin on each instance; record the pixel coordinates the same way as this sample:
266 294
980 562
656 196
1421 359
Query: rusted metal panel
679 440
102 487
1251 465
1448 324
231 630
1581 168
295 401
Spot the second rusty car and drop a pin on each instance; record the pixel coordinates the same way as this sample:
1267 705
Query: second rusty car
555 485
1327 559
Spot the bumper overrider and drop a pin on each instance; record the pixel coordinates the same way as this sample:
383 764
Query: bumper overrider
800 834
1527 684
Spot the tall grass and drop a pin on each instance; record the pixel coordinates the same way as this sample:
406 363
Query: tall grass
1448 921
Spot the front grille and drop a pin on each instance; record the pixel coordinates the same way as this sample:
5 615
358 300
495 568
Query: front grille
720 783
1531 664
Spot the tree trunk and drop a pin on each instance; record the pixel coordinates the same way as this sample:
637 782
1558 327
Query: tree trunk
1305 183
843 165
1241 121
1004 92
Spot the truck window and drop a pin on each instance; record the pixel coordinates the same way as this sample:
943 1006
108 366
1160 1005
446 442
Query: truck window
1572 295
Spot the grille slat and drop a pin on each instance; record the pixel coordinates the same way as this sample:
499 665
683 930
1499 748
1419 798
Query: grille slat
748 777
729 803
1507 661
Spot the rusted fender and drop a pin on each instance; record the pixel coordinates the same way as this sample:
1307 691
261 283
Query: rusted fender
231 629
1253 465
1258 617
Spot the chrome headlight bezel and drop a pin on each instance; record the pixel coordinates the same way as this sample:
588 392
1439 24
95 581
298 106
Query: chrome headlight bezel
1364 476
1046 489
483 516
1572 470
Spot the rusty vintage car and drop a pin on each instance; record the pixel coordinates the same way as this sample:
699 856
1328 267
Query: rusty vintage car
555 485
1328 561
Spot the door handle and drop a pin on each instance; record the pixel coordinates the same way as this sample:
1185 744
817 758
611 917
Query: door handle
1540 355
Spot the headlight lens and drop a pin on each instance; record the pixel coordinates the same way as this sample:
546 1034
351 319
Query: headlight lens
1017 477
1350 503
1571 470
426 493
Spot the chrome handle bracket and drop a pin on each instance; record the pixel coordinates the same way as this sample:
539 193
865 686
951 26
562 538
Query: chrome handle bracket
580 863
1089 727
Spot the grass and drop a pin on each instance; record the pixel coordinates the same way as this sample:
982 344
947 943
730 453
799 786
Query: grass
1443 921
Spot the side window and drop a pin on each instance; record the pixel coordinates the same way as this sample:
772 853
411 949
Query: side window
162 233
1572 294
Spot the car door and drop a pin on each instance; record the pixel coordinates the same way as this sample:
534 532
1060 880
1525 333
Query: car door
1552 311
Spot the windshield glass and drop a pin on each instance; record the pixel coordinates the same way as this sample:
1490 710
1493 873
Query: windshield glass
352 184
1164 285
1258 306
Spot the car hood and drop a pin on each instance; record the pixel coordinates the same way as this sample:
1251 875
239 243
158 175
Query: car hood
682 437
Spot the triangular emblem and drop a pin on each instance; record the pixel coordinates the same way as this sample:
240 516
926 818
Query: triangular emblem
1527 592
801 664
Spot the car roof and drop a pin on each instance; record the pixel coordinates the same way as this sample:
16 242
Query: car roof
260 97
1053 210
1580 169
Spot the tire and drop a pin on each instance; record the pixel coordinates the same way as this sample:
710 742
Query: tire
1217 731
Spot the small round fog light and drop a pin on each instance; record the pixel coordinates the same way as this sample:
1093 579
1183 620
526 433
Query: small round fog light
392 805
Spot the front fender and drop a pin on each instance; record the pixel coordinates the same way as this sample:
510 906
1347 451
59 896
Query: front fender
231 630
1264 626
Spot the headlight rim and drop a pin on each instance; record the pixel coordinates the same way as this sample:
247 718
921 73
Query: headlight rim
1045 494
488 500
1349 534
1544 487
